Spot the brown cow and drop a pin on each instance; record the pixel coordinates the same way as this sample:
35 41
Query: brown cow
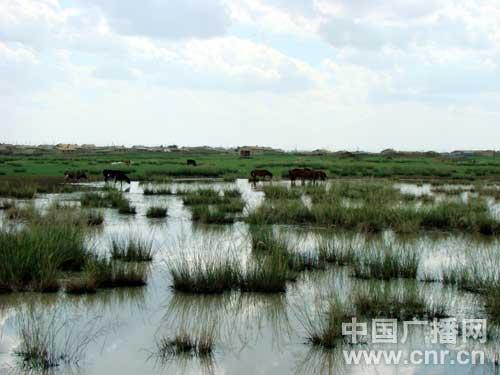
319 175
261 173
306 174
300 174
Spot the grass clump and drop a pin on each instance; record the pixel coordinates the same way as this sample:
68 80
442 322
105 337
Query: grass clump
372 216
93 199
132 249
383 300
151 190
476 272
323 327
215 274
210 215
265 242
48 339
278 192
232 193
33 258
281 212
112 198
24 212
386 261
231 206
201 345
264 239
332 249
305 261
268 274
202 197
107 273
125 208
201 275
78 286
94 218
156 212
18 190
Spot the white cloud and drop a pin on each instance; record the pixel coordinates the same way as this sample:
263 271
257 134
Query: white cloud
168 19
228 71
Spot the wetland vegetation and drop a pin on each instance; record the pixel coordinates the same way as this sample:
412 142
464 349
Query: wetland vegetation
233 250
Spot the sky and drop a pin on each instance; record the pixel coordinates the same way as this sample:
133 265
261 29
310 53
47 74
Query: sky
295 74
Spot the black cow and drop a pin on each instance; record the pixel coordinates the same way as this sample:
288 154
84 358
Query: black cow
110 174
191 162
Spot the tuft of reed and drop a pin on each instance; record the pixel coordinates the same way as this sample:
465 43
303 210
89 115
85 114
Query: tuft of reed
323 326
156 212
25 212
264 239
265 242
112 198
278 192
332 249
156 190
200 345
231 206
305 261
125 208
386 261
94 218
476 273
281 212
372 216
268 274
114 274
201 197
48 339
132 249
232 193
128 275
202 275
210 215
32 258
214 275
405 303
18 190
78 286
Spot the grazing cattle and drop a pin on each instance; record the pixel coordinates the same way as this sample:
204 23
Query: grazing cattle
261 173
110 174
75 175
319 175
191 162
300 174
306 174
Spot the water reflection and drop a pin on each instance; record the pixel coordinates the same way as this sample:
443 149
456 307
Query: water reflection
237 319
252 332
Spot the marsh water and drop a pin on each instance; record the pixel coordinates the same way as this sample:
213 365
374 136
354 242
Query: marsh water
254 333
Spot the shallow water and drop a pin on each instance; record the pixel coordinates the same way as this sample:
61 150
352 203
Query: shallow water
255 333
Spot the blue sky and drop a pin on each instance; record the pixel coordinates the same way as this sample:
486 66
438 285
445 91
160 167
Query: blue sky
306 74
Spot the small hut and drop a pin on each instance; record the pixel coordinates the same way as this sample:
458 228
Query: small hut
245 153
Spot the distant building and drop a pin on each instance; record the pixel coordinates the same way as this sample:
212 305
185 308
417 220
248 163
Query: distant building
66 147
245 153
88 147
46 147
388 151
462 153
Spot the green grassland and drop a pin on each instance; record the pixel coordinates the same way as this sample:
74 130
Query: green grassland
157 165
